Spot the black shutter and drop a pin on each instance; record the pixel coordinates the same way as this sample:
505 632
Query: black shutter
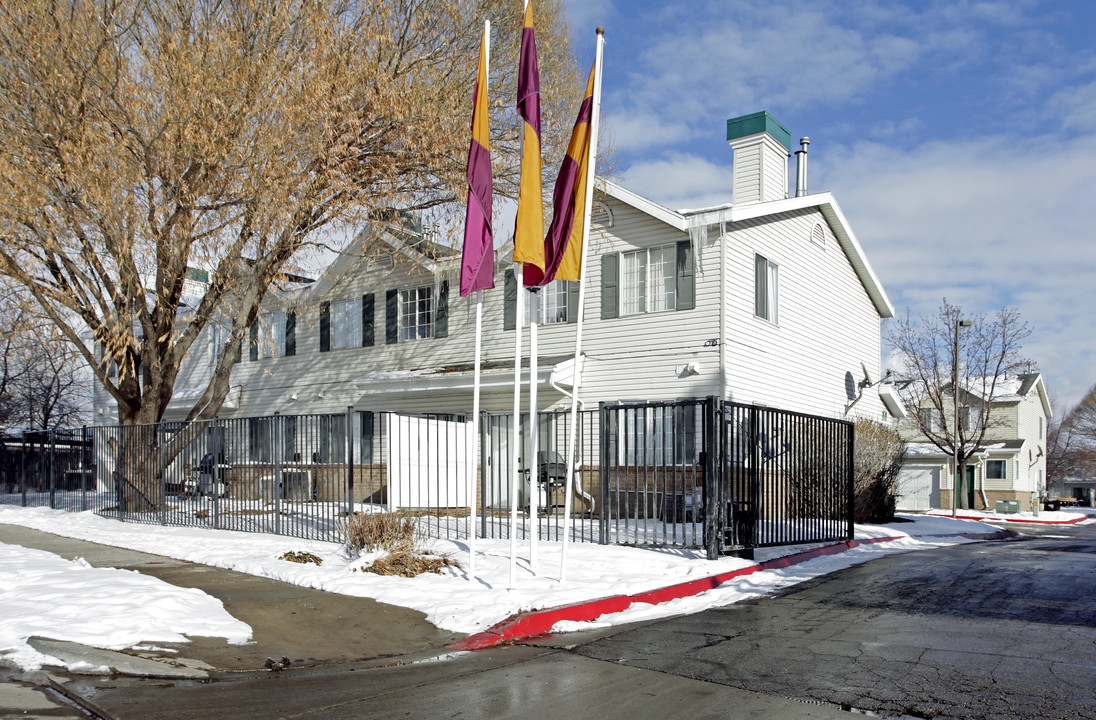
325 326
441 312
290 334
253 341
367 438
610 286
368 329
572 300
510 301
686 276
391 316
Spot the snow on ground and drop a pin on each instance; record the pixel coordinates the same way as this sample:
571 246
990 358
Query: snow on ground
1044 516
116 608
46 595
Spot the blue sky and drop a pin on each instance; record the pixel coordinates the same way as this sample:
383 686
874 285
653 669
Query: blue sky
959 137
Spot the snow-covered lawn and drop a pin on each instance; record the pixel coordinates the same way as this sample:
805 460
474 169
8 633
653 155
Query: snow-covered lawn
43 594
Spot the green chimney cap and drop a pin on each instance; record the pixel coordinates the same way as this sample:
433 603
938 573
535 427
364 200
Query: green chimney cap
759 122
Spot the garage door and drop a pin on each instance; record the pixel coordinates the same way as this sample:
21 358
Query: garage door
918 488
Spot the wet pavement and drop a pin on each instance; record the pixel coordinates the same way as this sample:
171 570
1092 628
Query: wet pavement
989 630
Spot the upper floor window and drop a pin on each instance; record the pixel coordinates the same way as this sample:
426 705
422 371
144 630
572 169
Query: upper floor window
553 300
930 419
273 335
766 289
972 418
647 280
346 323
417 313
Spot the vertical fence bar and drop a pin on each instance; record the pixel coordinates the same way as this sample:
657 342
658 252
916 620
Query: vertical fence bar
23 470
712 525
349 461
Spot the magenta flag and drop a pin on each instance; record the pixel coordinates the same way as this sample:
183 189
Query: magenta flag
477 266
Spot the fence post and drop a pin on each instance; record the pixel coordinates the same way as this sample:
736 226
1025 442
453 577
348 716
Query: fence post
279 486
23 469
349 461
603 516
52 464
713 491
159 436
119 473
850 479
485 440
83 468
218 452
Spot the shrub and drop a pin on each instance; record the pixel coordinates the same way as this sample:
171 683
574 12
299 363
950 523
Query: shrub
379 531
398 537
301 557
877 459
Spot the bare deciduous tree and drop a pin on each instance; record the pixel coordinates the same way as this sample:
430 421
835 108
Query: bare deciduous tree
1071 440
989 351
141 138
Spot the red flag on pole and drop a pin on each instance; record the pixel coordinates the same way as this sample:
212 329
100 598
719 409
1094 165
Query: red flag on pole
477 267
563 243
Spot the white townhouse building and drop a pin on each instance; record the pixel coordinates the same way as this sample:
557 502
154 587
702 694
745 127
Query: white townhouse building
768 299
1010 464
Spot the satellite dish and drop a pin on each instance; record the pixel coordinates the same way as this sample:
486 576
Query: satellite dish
850 386
866 382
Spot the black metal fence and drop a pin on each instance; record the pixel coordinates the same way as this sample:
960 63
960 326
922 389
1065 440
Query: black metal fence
690 474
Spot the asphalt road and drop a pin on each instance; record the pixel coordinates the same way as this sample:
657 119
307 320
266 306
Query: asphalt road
987 630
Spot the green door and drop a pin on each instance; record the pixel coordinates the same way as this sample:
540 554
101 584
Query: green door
970 486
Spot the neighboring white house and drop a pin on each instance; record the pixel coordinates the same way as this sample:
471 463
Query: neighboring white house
768 300
1009 465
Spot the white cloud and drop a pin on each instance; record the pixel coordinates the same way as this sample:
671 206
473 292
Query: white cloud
680 181
986 223
585 15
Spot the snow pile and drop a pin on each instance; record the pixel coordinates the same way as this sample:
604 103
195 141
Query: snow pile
48 596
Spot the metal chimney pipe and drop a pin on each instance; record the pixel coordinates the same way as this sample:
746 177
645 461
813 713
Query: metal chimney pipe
801 167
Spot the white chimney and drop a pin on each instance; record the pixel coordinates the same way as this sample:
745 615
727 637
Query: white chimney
761 148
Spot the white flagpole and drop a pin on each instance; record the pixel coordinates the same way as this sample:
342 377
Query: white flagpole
473 459
591 175
473 443
531 462
515 453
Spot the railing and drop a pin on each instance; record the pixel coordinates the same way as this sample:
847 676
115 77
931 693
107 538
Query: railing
690 474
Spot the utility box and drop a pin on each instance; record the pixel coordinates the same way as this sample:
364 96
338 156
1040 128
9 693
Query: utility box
1008 507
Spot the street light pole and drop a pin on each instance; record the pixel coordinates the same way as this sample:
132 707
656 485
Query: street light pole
955 414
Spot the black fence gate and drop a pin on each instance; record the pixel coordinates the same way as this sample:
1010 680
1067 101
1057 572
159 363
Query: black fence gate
725 476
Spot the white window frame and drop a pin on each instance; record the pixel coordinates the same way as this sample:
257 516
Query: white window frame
1002 464
553 303
766 289
416 317
271 335
935 422
969 413
346 323
648 280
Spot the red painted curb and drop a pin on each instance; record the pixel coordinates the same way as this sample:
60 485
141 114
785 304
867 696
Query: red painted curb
1080 518
538 622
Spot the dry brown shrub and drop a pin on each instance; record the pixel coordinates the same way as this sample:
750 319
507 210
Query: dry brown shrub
392 532
301 557
409 564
